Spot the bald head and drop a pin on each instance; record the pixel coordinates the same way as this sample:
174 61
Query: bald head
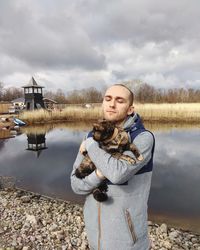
117 103
130 93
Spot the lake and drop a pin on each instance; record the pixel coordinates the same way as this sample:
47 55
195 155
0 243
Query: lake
41 159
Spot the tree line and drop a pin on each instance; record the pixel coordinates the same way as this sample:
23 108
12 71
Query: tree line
8 94
87 95
149 94
143 92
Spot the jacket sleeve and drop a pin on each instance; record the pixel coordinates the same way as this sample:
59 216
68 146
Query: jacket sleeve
85 185
117 170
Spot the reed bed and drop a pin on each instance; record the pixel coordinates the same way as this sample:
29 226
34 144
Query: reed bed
178 112
67 114
169 126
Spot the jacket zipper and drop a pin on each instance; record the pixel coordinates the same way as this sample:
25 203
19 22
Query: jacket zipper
99 224
130 225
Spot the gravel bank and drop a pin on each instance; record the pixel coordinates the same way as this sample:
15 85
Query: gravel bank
30 221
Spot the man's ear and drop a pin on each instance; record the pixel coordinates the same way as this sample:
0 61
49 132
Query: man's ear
130 110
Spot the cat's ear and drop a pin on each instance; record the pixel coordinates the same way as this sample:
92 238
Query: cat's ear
101 120
95 125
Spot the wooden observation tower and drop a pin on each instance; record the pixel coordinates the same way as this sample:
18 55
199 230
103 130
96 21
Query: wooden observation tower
33 95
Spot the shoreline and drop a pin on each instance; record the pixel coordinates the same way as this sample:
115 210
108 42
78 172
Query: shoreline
163 120
163 112
150 112
33 221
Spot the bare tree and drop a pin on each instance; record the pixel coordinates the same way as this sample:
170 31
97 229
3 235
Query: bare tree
75 97
1 91
60 96
89 95
92 95
12 93
49 94
143 93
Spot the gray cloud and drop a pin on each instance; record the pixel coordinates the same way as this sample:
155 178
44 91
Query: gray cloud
46 41
143 21
100 42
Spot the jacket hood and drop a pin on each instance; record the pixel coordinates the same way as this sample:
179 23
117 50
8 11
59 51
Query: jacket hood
133 122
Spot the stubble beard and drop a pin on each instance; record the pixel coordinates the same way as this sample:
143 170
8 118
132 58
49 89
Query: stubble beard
118 122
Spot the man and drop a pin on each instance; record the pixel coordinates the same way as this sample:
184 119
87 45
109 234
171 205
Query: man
120 223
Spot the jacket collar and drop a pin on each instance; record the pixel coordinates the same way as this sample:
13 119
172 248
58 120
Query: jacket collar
133 122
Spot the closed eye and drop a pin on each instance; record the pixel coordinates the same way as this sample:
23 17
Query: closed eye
107 98
120 99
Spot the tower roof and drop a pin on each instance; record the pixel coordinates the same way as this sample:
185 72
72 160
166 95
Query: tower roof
32 83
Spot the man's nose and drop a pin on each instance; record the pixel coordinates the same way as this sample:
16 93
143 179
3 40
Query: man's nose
112 103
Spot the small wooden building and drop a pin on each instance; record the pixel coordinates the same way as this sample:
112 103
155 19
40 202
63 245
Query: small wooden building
4 107
18 103
49 103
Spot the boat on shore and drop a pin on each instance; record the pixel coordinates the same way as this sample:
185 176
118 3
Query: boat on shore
18 122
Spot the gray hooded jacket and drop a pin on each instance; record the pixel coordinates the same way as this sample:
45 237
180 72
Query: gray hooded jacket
120 223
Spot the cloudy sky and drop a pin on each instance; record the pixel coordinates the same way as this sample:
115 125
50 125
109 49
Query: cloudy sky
82 43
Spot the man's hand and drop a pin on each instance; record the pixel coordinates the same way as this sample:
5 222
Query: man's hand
99 174
82 147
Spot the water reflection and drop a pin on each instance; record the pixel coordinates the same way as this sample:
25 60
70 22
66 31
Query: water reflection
48 174
174 196
176 178
36 143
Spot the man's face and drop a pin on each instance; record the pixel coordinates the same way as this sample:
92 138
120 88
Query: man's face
116 105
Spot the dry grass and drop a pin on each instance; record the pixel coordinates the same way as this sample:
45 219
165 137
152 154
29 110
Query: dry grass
179 112
169 126
67 114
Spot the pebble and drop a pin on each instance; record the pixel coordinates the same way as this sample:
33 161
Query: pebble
173 235
25 199
31 221
163 228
